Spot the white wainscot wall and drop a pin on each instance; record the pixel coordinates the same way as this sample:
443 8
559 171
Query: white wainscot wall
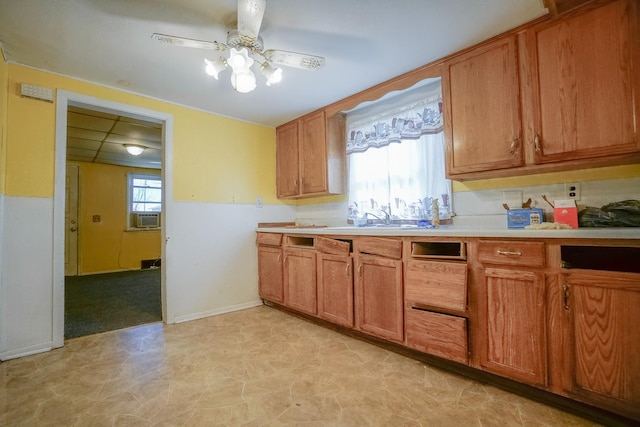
26 275
212 259
484 207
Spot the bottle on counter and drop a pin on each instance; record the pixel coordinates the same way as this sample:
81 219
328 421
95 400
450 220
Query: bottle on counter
435 212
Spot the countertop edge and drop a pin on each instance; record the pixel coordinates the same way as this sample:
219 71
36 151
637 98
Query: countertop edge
452 231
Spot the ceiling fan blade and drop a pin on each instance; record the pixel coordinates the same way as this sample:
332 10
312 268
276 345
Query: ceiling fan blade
185 42
250 13
293 59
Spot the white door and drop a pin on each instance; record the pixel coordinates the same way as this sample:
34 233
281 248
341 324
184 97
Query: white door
71 222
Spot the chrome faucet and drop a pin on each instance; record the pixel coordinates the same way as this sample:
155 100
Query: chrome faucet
386 220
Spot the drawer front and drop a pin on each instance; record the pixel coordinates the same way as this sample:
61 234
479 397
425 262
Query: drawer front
389 248
505 252
272 239
332 246
437 334
437 284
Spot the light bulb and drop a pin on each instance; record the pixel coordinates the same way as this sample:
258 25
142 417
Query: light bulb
272 75
214 67
239 59
244 81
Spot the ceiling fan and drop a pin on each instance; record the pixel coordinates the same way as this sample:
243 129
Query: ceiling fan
244 44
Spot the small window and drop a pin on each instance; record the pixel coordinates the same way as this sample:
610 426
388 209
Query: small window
145 195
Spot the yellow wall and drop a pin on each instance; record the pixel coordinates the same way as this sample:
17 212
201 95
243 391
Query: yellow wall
106 245
215 159
4 76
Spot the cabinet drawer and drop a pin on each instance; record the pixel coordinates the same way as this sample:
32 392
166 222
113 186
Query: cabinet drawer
437 284
505 252
333 246
437 334
272 239
389 248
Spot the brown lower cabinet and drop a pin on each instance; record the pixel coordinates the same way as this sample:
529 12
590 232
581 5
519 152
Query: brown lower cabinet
379 301
511 327
560 315
601 338
335 288
300 280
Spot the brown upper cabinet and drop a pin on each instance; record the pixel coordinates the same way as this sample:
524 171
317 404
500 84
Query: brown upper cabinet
483 125
583 82
311 156
558 94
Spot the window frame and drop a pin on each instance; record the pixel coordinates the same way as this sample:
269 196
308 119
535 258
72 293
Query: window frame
131 176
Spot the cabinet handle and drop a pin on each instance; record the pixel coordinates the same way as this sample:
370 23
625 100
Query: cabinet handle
285 260
279 258
508 253
565 296
359 269
346 270
536 142
514 144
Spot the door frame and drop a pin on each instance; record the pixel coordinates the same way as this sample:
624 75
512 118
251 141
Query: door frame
64 99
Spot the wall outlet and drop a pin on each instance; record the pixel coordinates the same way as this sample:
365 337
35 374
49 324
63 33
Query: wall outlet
572 190
259 202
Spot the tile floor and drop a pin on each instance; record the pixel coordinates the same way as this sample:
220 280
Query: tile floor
253 367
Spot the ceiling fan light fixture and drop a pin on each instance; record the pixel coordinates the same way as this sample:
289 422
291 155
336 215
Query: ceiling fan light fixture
239 60
134 150
273 75
213 68
243 81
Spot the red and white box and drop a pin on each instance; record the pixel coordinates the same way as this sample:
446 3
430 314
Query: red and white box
566 212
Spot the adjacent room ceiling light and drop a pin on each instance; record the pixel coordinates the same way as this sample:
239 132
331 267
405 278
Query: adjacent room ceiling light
245 48
134 150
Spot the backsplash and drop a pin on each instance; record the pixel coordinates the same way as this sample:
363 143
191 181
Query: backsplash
484 207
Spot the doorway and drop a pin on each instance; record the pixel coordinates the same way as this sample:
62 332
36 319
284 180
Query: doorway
65 102
106 250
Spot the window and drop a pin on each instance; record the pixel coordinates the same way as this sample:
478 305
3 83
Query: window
145 193
396 158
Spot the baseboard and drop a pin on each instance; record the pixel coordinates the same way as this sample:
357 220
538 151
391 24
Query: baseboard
217 311
26 351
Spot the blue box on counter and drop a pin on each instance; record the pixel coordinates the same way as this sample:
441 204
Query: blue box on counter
520 218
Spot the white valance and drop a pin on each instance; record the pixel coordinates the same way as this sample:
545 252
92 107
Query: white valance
405 117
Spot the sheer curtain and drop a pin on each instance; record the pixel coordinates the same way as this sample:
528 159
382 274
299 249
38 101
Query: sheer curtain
396 161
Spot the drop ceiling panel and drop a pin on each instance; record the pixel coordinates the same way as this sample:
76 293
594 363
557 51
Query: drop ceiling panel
83 121
85 144
97 137
93 113
85 134
137 131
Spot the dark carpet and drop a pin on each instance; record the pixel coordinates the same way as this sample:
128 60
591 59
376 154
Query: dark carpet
106 302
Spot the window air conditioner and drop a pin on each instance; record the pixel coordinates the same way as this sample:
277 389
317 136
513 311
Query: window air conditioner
148 220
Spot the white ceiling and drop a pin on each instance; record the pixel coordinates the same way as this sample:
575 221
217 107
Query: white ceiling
365 42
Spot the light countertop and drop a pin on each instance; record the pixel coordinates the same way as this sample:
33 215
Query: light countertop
629 233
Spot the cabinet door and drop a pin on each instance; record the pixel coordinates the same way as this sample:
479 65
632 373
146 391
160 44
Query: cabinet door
313 154
483 124
379 303
335 289
300 280
512 320
287 160
584 83
602 312
270 285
